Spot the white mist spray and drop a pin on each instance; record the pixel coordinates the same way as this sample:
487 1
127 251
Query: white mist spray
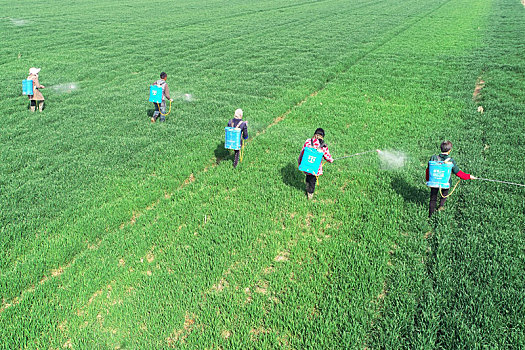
391 160
65 87
18 22
183 96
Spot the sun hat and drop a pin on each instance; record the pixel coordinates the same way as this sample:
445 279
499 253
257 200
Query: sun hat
238 113
34 70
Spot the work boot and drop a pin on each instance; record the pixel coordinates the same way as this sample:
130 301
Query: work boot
152 120
309 195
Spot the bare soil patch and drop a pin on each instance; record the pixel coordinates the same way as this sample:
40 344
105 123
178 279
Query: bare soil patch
283 256
256 332
480 84
180 335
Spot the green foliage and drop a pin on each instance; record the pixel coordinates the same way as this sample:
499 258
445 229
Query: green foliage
119 233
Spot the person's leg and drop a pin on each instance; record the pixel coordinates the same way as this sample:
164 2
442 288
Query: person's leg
163 111
433 199
40 106
310 185
236 158
156 113
32 106
443 200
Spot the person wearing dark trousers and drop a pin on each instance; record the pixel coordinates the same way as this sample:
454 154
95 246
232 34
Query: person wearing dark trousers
318 143
161 109
237 122
444 156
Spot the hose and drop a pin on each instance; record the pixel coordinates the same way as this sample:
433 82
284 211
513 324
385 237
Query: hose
242 150
317 176
158 106
450 194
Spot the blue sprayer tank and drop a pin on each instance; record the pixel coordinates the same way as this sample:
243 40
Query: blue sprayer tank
233 138
155 94
27 87
439 174
311 160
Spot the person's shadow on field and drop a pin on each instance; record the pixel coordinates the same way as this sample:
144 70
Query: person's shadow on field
292 176
222 153
409 192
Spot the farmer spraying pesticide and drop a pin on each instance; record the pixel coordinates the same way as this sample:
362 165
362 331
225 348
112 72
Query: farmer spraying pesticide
31 87
236 133
439 171
310 160
158 93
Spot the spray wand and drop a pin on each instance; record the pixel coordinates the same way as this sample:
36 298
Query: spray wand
358 154
499 181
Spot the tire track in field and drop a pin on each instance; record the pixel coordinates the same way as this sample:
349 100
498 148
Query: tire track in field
284 253
213 163
270 29
137 214
260 286
249 13
252 33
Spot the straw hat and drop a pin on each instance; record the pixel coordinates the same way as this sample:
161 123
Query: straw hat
34 70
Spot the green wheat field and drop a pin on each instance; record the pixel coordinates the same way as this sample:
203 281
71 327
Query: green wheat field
119 233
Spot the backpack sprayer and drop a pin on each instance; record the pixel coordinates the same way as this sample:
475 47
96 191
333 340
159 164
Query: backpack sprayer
155 96
233 139
27 87
313 158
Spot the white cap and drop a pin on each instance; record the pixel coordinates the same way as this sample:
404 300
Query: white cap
34 70
238 113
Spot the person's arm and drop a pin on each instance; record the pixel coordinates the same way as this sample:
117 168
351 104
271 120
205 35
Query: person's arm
459 173
463 176
167 92
327 155
301 154
245 131
37 83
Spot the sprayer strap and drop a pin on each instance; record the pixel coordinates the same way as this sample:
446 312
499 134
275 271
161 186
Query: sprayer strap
239 124
321 144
